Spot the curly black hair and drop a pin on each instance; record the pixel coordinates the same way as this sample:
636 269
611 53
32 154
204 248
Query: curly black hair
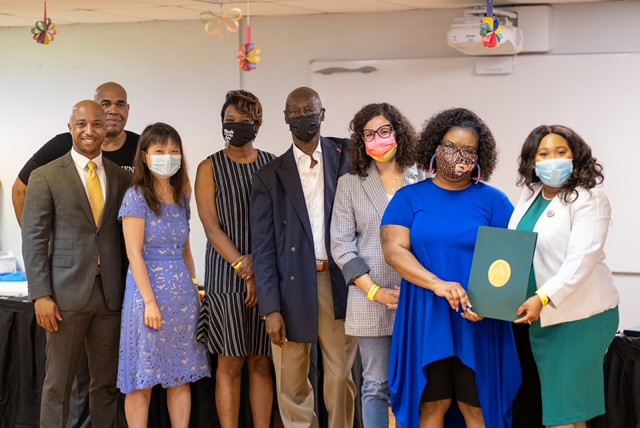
440 123
404 132
587 171
246 103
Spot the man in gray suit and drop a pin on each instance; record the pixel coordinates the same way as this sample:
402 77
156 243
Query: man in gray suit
70 236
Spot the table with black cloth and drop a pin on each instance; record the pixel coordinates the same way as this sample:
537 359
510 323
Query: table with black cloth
22 363
622 384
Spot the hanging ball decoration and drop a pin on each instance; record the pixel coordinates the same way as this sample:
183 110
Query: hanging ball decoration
249 55
44 32
491 32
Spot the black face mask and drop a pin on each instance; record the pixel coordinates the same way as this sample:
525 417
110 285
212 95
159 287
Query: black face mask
304 128
238 134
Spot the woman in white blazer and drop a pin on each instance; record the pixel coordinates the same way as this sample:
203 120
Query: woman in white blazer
382 151
572 307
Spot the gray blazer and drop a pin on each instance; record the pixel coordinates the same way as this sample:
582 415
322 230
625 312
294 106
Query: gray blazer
61 244
355 245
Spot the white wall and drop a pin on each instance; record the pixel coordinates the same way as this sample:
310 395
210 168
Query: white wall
174 72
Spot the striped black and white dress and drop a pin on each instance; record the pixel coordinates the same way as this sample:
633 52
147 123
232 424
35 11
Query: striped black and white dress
227 326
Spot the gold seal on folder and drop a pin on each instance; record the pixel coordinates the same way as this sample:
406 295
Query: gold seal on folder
499 273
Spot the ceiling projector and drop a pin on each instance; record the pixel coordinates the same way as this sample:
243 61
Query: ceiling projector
464 34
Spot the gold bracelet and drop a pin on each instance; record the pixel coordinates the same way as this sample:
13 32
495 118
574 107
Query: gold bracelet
237 265
194 280
544 299
371 295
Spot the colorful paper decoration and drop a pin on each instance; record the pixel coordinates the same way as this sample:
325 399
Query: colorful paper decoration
216 24
491 32
490 28
44 32
249 55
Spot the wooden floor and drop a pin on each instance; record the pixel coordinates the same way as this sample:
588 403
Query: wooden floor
392 419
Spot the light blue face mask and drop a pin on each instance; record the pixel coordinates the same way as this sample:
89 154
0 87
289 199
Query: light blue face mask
165 166
554 172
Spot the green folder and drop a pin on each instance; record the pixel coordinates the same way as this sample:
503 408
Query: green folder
502 263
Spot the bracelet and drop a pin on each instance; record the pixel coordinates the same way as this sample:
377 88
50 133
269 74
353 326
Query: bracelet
194 280
237 265
371 295
544 299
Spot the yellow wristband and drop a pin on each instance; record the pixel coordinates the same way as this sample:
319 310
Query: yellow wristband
371 295
194 280
237 265
544 299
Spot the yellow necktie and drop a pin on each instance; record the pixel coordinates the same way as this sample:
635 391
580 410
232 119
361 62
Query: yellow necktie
96 198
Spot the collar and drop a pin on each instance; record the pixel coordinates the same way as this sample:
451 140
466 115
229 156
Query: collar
82 161
299 155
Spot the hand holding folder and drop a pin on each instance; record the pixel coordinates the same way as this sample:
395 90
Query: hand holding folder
502 263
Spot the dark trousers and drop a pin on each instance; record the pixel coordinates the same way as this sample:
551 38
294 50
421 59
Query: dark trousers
97 329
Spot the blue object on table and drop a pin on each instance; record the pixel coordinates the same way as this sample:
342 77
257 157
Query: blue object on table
13 277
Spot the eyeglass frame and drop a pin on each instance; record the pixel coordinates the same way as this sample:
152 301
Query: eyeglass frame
377 132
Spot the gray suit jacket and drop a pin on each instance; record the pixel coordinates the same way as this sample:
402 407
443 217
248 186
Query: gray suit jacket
61 244
355 245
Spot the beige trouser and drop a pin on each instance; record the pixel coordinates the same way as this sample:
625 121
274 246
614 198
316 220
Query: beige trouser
291 361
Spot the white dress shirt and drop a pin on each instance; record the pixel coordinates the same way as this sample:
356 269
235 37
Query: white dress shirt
81 162
312 180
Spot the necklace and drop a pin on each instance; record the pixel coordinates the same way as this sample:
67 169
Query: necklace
396 184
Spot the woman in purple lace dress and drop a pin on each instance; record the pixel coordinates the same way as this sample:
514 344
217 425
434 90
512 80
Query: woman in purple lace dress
161 305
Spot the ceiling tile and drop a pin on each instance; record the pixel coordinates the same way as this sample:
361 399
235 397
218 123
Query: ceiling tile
26 12
344 6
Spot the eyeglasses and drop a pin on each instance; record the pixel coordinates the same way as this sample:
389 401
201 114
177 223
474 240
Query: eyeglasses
383 132
466 151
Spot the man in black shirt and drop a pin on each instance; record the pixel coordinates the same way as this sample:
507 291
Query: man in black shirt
119 145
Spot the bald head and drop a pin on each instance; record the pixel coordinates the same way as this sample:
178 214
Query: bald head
87 126
113 99
109 86
303 93
303 113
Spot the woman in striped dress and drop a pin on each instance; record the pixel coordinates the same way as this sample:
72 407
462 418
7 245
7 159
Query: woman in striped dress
229 322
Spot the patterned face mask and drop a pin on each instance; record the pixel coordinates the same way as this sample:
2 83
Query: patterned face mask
382 149
455 164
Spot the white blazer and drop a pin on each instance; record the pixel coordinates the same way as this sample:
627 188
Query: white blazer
569 257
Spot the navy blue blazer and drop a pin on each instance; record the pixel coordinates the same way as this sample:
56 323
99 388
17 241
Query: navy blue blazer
282 243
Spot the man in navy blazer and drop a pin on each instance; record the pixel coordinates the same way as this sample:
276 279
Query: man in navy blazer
301 291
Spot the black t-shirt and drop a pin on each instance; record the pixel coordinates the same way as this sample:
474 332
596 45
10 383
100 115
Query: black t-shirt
60 145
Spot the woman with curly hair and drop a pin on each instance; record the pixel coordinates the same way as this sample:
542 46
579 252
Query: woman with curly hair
442 352
382 152
572 308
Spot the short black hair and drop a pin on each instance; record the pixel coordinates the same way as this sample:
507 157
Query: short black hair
246 103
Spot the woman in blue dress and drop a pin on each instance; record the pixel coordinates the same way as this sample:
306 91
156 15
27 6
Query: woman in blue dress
442 352
161 305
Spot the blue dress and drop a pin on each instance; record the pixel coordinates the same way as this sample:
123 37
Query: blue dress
172 356
444 226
